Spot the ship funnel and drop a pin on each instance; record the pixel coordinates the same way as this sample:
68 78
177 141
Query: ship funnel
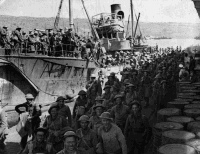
116 9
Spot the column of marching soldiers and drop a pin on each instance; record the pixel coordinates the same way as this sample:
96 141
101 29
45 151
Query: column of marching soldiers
109 122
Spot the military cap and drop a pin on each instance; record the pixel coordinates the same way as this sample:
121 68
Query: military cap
98 98
98 105
41 129
126 81
84 118
130 85
54 105
60 98
29 96
107 86
70 134
82 92
118 96
112 74
106 115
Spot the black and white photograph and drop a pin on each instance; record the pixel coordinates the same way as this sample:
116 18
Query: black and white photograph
99 76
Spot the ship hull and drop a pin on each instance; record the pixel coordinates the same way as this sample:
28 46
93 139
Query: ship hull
45 77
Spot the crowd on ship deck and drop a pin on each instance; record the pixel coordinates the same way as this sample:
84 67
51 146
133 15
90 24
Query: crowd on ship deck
107 118
61 43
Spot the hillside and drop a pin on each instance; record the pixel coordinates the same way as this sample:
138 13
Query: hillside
172 30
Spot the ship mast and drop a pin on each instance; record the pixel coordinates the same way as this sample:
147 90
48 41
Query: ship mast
71 24
132 20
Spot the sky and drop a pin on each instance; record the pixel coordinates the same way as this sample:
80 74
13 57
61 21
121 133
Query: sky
151 10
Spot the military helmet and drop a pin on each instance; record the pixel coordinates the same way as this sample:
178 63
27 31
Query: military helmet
118 96
70 134
60 98
41 129
82 92
54 105
84 118
98 105
29 96
106 115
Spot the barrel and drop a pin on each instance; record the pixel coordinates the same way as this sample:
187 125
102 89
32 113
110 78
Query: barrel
186 97
194 126
176 149
176 136
195 143
181 119
191 91
195 102
183 100
197 118
163 114
192 112
196 98
159 128
188 94
188 87
177 104
192 106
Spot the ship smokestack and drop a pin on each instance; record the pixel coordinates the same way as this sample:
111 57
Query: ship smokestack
116 9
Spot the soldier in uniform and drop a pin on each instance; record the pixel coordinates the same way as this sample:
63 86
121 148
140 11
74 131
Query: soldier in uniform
87 137
130 94
70 144
119 112
80 101
95 121
107 96
111 137
5 40
64 110
94 89
137 130
56 126
34 111
39 145
17 39
146 85
31 42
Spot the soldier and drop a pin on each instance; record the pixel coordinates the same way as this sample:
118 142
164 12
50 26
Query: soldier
5 40
64 110
70 144
137 130
131 94
56 126
39 145
119 112
34 111
107 96
112 79
31 42
3 129
146 85
17 39
80 101
94 89
111 136
95 121
87 137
